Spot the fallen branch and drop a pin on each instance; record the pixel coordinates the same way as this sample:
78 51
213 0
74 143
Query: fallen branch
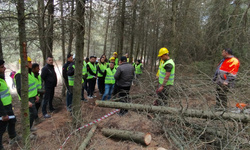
170 110
138 137
87 139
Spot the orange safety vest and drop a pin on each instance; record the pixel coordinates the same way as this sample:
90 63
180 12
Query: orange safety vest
230 65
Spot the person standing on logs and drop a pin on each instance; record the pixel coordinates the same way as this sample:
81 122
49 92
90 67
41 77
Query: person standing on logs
166 77
225 76
124 77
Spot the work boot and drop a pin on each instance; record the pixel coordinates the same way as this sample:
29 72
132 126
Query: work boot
33 129
46 116
15 139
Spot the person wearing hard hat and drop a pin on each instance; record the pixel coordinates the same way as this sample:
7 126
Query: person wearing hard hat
115 55
32 93
159 68
40 90
225 76
113 60
6 111
49 77
166 77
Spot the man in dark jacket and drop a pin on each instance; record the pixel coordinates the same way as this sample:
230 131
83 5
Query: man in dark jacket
65 76
49 77
124 76
6 112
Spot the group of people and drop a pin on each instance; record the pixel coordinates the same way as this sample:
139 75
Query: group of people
106 73
113 75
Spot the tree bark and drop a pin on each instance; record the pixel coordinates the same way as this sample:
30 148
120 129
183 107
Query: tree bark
87 139
90 18
50 27
122 22
41 29
71 26
1 47
132 32
107 29
139 137
63 43
80 31
170 110
24 76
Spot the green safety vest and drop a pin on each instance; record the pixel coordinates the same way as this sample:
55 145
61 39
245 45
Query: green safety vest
32 91
116 62
162 73
38 81
84 68
110 79
102 67
93 68
72 78
138 69
5 93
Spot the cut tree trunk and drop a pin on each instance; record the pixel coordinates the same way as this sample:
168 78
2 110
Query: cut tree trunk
139 137
170 110
87 139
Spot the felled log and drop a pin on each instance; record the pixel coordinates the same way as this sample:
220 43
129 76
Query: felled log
170 110
138 137
87 139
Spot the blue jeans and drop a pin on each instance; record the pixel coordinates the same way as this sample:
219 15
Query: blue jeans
108 91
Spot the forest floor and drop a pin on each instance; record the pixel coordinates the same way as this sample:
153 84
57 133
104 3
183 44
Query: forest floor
53 131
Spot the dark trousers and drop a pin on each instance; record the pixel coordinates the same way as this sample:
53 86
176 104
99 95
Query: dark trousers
101 84
164 96
86 85
221 96
123 95
91 86
38 104
115 90
48 98
83 88
11 129
33 111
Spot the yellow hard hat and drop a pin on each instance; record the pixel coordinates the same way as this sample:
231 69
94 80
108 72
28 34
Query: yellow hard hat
112 58
115 53
163 51
29 59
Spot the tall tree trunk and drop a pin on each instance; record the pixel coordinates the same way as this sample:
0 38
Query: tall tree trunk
50 27
90 18
107 29
174 39
41 30
122 22
71 26
1 47
63 43
80 31
132 32
25 124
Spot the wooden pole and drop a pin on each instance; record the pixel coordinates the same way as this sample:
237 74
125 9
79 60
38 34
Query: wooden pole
170 110
139 137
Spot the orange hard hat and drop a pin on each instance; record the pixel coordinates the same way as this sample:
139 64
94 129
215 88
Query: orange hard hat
241 105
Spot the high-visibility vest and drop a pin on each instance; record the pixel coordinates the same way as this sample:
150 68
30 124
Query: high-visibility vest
230 65
84 68
162 73
127 59
5 93
102 67
72 78
93 68
138 69
38 81
159 68
110 79
32 91
116 62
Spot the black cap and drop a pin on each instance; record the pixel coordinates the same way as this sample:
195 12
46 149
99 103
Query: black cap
87 59
34 65
123 58
2 62
69 55
92 57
